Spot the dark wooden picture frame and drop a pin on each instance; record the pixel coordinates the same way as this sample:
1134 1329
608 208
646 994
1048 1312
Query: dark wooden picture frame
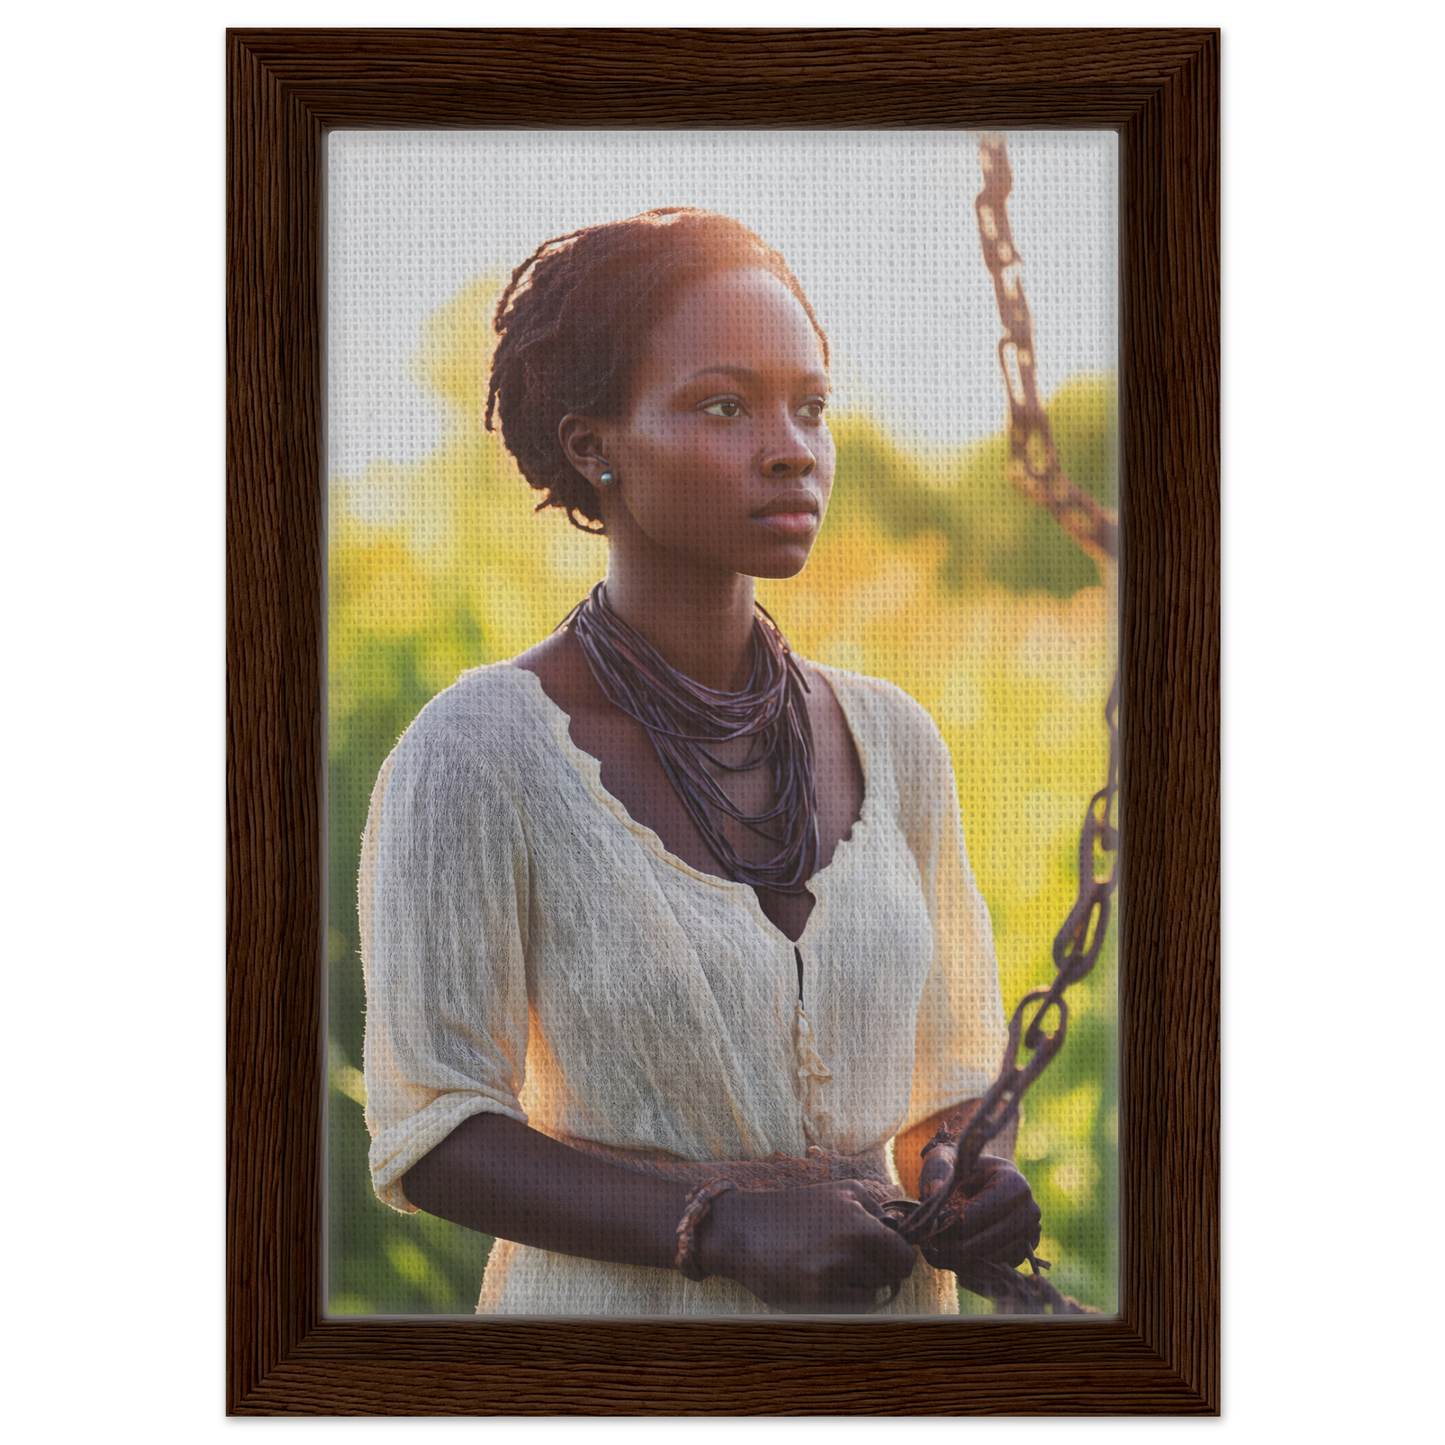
1159 90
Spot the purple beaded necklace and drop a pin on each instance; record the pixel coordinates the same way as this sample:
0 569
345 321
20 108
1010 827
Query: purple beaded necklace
683 718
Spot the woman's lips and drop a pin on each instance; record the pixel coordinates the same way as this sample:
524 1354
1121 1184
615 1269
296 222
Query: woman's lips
790 513
790 524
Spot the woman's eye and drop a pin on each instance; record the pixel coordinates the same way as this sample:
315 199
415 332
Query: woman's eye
812 409
723 406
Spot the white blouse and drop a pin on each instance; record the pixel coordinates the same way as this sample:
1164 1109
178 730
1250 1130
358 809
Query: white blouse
531 950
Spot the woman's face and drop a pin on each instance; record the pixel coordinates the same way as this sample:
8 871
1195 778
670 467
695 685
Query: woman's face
724 459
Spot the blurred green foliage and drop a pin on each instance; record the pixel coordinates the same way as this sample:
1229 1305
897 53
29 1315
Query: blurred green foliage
931 571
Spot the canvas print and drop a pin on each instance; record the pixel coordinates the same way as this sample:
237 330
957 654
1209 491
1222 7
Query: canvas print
722 723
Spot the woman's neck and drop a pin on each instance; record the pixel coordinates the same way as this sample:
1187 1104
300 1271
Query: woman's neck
703 627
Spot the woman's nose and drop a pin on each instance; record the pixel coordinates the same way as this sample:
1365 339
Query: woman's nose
789 455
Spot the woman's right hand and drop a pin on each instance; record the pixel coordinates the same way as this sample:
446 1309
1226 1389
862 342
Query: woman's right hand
818 1249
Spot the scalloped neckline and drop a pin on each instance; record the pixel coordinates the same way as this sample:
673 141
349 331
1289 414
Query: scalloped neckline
590 769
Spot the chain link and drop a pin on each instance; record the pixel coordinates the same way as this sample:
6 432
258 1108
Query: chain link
1034 468
1033 464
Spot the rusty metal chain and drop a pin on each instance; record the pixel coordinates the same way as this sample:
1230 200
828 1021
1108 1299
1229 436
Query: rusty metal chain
1033 464
1034 468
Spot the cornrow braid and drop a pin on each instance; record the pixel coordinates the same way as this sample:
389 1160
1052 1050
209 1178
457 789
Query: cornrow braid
573 321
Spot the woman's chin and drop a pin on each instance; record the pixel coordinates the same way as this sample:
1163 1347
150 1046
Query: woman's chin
782 562
778 571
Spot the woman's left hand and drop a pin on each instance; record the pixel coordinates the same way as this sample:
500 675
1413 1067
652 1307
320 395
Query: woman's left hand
998 1219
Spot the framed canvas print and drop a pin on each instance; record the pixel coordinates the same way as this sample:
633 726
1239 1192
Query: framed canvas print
670 954
922 567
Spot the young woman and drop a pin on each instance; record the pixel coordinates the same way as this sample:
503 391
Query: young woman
670 937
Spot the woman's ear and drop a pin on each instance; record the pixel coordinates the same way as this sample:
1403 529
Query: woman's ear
583 445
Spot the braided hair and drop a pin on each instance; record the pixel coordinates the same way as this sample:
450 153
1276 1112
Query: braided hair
575 317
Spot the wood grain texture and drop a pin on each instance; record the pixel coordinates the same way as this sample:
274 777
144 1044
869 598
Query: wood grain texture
1160 90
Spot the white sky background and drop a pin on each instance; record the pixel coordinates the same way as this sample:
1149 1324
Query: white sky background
878 226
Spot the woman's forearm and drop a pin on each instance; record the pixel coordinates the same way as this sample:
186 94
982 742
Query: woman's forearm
815 1247
499 1177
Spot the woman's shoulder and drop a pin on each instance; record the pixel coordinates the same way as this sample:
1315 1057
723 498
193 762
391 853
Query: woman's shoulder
900 742
494 716
894 718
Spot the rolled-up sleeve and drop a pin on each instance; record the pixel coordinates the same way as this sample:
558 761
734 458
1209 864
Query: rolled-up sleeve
961 1027
442 900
